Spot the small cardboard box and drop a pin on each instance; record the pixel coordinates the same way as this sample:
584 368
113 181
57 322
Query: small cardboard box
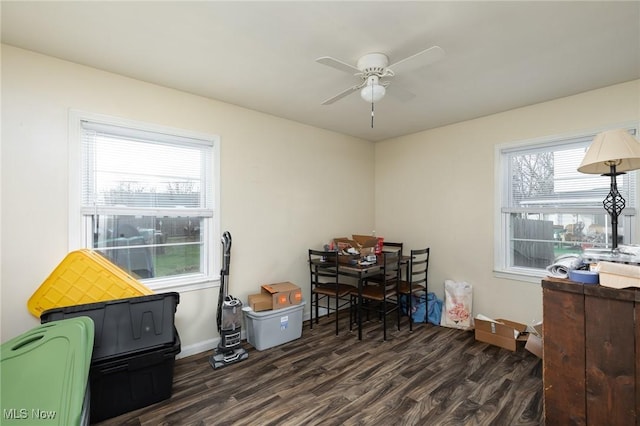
500 332
349 259
344 243
534 342
366 244
283 294
260 302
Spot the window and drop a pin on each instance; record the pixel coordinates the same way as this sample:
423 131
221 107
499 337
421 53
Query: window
547 208
145 197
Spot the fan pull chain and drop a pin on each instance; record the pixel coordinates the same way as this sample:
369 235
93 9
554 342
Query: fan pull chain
372 106
372 115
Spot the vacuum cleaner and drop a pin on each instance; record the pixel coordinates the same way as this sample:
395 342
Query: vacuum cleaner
229 317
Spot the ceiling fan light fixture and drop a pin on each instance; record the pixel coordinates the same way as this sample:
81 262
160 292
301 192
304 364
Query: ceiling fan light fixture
375 66
372 92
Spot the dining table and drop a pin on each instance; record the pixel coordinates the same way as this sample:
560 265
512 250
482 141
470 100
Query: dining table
353 267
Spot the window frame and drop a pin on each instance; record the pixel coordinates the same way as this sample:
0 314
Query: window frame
502 247
78 227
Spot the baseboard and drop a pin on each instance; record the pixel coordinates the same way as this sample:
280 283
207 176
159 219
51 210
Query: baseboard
198 347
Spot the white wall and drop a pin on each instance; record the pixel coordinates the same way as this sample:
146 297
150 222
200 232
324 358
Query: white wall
432 188
436 188
279 190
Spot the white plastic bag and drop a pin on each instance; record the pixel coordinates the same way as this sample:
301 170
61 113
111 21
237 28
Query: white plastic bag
458 303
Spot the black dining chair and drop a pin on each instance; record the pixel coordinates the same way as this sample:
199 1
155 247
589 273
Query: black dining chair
416 281
325 285
387 246
381 297
391 246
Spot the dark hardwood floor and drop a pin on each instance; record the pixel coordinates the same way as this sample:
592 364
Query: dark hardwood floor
432 376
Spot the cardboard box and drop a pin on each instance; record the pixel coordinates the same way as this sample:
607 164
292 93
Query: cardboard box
349 259
260 302
363 244
534 341
344 243
366 244
283 294
500 332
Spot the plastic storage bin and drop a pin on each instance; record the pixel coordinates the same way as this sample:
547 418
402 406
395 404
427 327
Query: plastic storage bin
267 329
84 276
128 383
127 325
45 372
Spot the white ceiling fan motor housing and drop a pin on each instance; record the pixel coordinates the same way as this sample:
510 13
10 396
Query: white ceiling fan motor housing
373 63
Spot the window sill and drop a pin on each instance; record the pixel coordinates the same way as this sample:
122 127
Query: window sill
182 285
526 276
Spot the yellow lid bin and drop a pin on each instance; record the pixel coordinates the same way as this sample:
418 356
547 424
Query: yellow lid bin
84 276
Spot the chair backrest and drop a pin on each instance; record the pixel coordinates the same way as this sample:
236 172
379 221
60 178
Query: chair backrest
323 267
389 246
419 266
391 269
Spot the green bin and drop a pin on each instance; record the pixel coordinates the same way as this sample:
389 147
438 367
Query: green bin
45 374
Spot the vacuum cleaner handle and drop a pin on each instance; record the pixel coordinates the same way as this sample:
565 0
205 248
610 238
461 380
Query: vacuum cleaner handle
224 274
226 252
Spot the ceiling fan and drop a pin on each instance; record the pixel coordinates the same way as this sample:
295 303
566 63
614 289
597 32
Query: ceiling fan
375 72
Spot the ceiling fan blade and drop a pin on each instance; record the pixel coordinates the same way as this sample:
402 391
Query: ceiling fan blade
342 94
419 60
337 64
400 93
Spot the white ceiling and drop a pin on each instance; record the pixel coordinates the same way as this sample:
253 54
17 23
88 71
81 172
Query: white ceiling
261 55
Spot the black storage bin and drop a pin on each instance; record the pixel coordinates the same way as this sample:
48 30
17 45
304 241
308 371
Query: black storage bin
127 383
126 326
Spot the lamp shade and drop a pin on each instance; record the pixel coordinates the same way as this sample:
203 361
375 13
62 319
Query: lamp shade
611 147
372 92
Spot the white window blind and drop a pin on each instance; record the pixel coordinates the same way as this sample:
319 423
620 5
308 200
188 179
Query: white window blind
138 171
545 178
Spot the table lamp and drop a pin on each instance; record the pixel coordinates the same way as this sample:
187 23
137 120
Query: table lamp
611 154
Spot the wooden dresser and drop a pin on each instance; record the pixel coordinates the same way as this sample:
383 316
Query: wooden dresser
591 354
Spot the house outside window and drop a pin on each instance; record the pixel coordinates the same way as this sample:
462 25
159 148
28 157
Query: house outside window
546 208
145 197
